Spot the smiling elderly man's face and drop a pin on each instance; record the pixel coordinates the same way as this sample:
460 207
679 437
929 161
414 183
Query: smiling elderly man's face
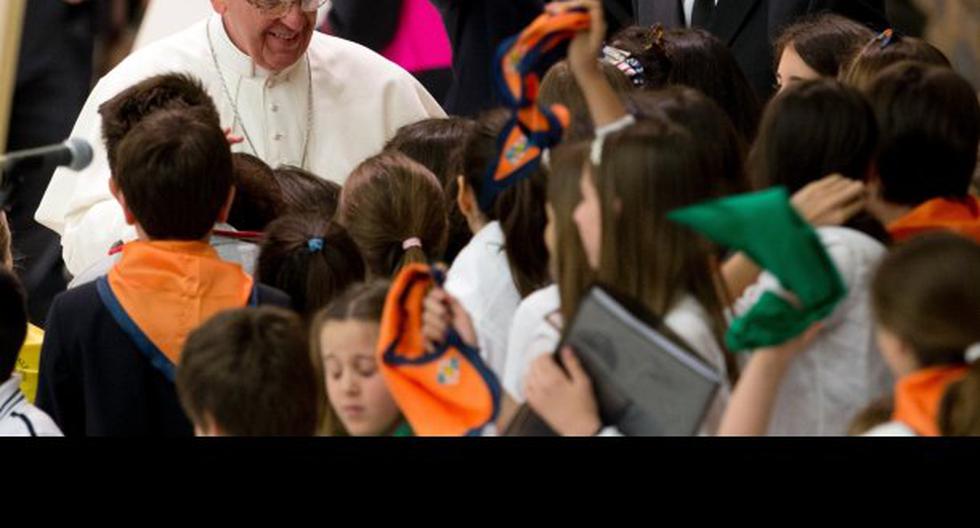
273 43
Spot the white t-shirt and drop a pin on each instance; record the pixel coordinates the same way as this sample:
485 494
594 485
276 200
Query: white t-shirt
18 417
360 99
480 279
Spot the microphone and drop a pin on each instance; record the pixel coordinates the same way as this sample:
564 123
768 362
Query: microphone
74 153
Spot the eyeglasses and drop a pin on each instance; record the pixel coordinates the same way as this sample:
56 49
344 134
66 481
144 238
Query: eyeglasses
279 8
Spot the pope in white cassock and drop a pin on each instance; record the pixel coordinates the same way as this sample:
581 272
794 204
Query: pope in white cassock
294 95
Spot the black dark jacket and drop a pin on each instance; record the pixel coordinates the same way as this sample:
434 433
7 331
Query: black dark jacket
749 27
95 382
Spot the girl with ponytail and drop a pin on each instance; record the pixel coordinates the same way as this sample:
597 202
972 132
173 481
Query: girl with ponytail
395 210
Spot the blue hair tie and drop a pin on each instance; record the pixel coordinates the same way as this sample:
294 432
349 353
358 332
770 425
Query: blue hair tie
315 245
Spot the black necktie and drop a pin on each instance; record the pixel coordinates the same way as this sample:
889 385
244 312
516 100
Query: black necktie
701 16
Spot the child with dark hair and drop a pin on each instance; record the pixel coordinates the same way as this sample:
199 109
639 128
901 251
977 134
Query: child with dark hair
258 199
175 91
506 260
112 346
437 144
311 258
697 59
817 46
302 191
929 121
17 416
395 210
247 372
810 130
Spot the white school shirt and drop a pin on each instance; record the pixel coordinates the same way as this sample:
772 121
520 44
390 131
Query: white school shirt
536 331
891 429
689 11
18 417
842 371
360 99
481 281
688 319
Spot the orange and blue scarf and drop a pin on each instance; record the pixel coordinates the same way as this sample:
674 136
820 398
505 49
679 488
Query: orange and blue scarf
160 291
449 391
520 64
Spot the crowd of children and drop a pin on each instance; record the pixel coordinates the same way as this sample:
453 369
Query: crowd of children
257 300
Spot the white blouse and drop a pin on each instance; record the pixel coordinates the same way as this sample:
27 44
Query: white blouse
842 371
480 279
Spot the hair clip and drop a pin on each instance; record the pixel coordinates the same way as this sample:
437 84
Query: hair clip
886 38
626 63
412 242
315 245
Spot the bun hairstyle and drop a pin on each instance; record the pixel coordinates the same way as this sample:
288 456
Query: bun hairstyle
395 210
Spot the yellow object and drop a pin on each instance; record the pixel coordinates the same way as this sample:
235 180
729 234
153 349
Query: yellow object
29 361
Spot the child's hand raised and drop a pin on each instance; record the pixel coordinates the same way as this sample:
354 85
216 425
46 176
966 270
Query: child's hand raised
566 402
440 310
830 201
584 50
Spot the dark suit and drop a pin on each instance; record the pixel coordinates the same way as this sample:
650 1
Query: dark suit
749 27
54 75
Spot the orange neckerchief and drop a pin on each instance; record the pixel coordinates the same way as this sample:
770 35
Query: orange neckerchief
918 395
447 392
959 216
169 288
519 66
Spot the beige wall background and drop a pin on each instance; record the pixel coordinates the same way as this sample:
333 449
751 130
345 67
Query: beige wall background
11 22
954 27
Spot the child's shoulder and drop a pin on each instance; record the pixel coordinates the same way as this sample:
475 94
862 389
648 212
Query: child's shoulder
79 300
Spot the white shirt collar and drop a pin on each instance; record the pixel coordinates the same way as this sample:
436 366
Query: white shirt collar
233 59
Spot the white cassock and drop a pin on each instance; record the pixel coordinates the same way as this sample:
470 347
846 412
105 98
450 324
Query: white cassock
359 100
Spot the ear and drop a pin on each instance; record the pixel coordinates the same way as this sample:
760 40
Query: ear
220 6
464 197
226 208
118 195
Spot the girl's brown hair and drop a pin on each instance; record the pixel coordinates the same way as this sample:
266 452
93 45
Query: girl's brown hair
390 199
519 208
569 265
560 87
361 302
883 51
927 292
310 258
826 42
648 170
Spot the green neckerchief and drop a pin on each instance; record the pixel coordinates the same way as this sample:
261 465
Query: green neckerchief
403 429
766 227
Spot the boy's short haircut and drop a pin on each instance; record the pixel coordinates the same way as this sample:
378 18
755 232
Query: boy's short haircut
160 92
13 322
174 170
258 199
929 121
248 372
